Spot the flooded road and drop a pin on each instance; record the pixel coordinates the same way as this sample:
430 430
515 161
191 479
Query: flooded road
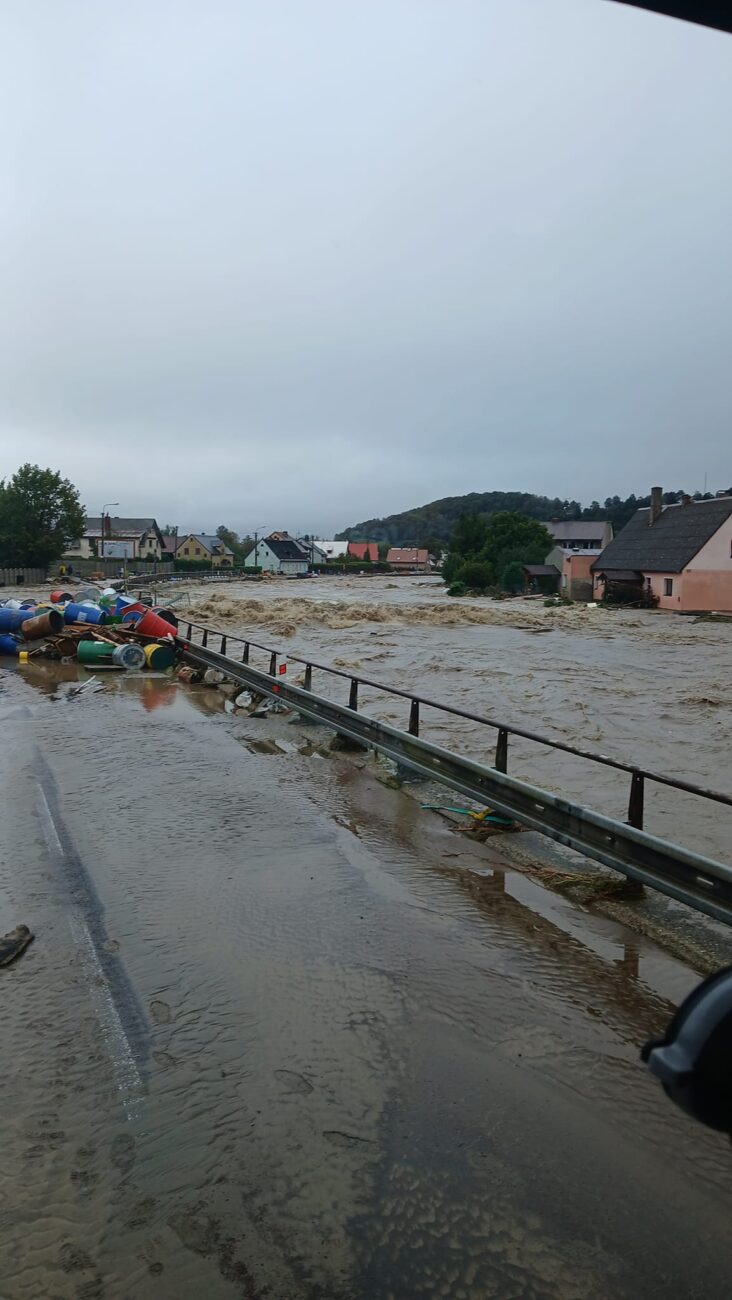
643 687
274 1039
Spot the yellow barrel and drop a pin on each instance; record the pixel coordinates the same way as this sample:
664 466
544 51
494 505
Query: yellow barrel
159 657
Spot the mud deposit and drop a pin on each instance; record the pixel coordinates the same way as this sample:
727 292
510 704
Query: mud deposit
272 1039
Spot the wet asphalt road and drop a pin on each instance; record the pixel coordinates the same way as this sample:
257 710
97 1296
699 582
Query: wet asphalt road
273 1039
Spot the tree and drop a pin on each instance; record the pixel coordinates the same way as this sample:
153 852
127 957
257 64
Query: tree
229 538
384 548
170 530
512 578
512 537
40 515
482 548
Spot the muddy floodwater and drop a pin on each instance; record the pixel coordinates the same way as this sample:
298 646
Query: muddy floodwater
647 688
280 1035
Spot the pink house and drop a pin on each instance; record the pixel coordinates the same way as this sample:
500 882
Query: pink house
682 553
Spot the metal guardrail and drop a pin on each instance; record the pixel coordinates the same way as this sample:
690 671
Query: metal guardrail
638 775
680 873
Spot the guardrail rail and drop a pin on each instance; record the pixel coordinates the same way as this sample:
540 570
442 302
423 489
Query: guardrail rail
626 847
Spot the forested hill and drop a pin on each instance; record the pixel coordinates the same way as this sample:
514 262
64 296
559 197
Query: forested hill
437 520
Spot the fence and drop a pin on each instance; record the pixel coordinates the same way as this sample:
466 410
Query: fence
19 577
696 880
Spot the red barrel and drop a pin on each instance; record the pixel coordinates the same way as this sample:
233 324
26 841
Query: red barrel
153 625
60 597
167 614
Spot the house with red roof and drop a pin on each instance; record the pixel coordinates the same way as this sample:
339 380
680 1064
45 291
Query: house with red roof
408 559
364 551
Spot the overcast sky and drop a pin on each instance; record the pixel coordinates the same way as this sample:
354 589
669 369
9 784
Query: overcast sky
295 263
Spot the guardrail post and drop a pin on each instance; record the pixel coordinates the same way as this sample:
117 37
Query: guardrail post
273 664
223 645
308 682
353 694
245 655
204 638
635 803
414 718
634 888
190 632
501 763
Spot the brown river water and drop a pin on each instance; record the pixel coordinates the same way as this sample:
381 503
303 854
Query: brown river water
645 688
283 1036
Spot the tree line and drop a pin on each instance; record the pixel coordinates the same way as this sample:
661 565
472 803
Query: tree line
432 525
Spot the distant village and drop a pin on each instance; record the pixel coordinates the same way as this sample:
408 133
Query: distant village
676 557
113 538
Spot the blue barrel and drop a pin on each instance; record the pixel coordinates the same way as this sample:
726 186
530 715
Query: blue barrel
9 645
12 619
75 613
27 604
132 616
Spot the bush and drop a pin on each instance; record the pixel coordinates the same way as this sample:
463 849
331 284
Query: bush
477 575
457 589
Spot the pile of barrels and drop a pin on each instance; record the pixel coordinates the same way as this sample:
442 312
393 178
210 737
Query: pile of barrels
96 627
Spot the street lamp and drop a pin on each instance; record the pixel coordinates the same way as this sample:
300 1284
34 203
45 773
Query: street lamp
104 509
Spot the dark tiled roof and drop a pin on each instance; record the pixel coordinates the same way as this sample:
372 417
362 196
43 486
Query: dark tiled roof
212 543
288 550
132 527
668 545
541 570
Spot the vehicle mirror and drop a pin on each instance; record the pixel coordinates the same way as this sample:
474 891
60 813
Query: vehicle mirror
693 1060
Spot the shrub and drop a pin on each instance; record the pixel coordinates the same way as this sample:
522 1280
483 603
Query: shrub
476 575
457 589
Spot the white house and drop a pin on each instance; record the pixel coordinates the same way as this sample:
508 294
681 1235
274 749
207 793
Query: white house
278 555
334 550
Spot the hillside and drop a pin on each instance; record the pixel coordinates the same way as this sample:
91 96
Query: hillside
437 519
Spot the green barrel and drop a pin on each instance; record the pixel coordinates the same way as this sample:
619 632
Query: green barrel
94 652
160 657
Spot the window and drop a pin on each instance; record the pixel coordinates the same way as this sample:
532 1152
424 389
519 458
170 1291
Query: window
668 586
186 551
198 550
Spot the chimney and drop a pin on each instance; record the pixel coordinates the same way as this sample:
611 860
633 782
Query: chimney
656 504
685 499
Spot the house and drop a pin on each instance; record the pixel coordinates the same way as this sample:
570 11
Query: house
205 546
408 559
131 539
312 550
275 554
575 570
170 545
681 553
368 551
333 550
580 534
541 577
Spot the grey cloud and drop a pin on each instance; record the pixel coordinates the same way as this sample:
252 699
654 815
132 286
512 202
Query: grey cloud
307 262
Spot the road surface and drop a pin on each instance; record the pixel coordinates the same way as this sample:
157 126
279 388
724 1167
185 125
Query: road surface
275 1039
